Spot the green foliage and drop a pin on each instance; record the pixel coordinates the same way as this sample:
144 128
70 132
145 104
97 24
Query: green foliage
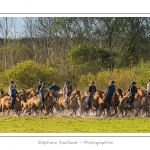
142 73
84 53
27 74
122 77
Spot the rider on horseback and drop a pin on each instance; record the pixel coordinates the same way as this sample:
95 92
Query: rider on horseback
133 90
42 91
39 86
109 93
54 87
67 90
12 92
91 91
70 86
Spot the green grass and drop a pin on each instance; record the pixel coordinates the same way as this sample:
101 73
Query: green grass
49 124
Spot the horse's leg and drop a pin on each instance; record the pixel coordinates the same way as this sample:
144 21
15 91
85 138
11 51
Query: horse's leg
138 111
108 111
72 112
81 111
125 111
100 111
2 107
50 109
116 111
16 112
52 112
122 111
75 112
29 110
46 110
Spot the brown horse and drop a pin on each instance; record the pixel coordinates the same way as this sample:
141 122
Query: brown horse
94 102
17 106
21 96
146 104
75 101
31 92
1 93
114 102
137 104
34 104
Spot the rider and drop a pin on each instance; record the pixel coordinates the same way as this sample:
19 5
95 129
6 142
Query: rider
13 95
133 90
11 87
64 88
54 87
109 92
70 86
67 91
39 86
42 91
91 91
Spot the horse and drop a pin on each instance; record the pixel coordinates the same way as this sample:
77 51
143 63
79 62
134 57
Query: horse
146 104
17 105
94 102
114 102
1 93
137 104
34 103
74 102
31 92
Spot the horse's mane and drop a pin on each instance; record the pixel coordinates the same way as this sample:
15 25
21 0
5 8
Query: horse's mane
5 94
21 91
139 92
31 89
75 92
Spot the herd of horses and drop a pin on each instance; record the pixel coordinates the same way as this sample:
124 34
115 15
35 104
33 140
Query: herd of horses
27 102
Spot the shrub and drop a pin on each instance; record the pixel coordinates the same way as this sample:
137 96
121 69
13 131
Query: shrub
27 74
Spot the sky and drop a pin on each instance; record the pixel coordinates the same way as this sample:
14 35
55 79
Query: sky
16 27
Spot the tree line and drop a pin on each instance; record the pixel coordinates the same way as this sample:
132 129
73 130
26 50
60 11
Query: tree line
75 46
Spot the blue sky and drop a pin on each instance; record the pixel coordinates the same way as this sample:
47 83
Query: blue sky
17 27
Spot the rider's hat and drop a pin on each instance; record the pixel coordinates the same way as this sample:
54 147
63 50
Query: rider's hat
112 82
133 82
92 82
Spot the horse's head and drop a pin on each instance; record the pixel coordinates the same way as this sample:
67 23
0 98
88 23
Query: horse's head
1 92
98 94
76 95
31 92
47 94
22 95
54 94
140 93
119 92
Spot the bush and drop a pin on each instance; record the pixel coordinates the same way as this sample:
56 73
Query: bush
122 77
27 74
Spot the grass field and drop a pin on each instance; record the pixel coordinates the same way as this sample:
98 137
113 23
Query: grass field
50 124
